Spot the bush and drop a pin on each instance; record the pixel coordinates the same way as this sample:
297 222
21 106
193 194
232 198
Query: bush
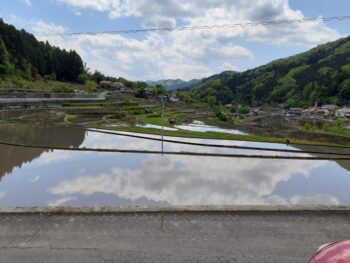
221 116
63 89
308 126
119 115
326 127
137 112
50 76
243 110
91 85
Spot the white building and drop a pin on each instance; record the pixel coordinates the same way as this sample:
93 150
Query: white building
343 113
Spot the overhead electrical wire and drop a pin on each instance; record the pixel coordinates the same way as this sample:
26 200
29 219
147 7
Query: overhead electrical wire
211 145
237 147
181 153
203 27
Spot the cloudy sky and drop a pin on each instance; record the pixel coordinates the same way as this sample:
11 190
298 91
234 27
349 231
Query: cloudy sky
186 55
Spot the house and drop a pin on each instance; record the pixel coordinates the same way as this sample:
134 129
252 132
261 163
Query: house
149 91
173 98
343 113
254 112
294 111
162 97
117 86
317 111
105 84
330 107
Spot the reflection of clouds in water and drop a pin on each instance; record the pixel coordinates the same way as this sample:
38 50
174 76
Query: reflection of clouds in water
53 157
98 140
35 179
61 201
192 180
2 194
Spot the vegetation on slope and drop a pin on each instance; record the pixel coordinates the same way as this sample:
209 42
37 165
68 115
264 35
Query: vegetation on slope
22 55
320 75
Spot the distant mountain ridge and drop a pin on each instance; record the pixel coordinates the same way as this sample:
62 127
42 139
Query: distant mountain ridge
173 84
320 75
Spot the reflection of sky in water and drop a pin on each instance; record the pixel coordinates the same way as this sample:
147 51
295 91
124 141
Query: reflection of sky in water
152 126
75 178
201 127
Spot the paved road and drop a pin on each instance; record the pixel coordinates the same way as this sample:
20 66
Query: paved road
4 102
174 237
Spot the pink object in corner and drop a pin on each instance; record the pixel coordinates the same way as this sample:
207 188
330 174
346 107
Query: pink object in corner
338 252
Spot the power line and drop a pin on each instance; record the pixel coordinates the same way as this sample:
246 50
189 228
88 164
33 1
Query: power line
204 27
182 153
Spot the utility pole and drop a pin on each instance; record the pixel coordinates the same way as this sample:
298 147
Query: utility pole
162 125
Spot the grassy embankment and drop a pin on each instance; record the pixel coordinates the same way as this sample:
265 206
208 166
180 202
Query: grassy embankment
38 86
210 135
335 130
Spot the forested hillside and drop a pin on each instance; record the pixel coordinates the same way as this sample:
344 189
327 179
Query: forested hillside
320 75
23 56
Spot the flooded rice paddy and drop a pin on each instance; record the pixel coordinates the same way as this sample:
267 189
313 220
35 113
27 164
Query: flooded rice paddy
40 177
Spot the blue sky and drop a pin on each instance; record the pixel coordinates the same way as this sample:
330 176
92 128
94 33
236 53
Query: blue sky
183 55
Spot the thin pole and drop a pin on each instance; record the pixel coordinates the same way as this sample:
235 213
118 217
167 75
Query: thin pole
162 126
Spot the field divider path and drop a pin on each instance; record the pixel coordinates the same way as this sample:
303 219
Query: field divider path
182 153
238 147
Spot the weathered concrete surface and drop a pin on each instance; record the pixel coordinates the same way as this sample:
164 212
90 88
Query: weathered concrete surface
231 236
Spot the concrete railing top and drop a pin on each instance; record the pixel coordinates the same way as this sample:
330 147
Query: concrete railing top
142 209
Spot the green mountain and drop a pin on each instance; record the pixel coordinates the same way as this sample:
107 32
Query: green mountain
21 55
173 84
320 75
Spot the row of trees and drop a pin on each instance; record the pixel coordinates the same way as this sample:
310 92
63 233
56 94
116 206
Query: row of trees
21 54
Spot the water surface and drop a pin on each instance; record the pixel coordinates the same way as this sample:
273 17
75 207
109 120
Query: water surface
39 177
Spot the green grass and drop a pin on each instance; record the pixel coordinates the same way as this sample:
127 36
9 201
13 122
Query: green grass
68 118
156 119
332 130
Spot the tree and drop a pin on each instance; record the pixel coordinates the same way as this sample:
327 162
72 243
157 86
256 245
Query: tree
91 85
5 65
284 89
345 90
140 92
309 88
98 76
211 100
83 77
159 90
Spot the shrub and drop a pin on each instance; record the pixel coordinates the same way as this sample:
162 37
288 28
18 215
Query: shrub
325 127
221 116
308 126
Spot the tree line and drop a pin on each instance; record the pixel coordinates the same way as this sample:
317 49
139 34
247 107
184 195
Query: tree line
21 54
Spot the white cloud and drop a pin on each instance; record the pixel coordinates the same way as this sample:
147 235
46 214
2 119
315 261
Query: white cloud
187 54
228 66
61 201
209 12
39 27
314 200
